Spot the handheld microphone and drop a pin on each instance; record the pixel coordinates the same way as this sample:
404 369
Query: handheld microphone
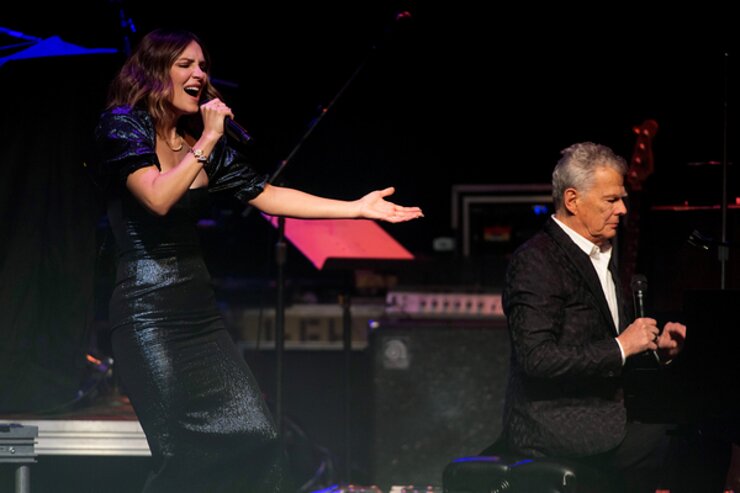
233 130
639 291
236 132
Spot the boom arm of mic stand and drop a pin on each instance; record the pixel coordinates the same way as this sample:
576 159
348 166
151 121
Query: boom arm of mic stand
398 17
280 254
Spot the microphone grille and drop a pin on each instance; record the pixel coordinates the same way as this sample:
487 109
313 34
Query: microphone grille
639 283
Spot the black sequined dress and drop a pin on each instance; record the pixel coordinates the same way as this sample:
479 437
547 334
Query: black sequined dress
205 419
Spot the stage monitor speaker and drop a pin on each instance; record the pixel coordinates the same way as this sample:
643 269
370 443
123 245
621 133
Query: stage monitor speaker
438 393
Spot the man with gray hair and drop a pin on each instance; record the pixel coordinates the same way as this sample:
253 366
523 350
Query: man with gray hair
571 337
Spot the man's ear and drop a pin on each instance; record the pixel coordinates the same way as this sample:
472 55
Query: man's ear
570 199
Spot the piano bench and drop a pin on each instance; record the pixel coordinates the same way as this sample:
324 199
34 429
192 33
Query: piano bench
511 473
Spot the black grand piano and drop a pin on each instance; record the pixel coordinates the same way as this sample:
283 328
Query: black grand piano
700 385
698 391
688 250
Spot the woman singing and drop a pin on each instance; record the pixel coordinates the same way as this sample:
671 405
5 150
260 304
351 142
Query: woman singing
206 422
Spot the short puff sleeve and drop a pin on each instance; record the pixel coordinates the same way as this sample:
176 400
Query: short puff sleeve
229 170
125 142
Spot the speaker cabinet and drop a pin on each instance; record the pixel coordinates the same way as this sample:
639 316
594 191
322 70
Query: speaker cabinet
438 392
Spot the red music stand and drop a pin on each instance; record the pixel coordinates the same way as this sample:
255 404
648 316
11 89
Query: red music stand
337 242
341 244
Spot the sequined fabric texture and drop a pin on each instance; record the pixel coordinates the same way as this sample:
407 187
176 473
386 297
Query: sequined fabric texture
564 396
204 416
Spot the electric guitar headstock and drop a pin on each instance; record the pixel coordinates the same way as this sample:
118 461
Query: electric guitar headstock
642 164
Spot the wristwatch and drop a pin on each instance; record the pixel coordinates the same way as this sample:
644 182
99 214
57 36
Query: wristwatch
200 156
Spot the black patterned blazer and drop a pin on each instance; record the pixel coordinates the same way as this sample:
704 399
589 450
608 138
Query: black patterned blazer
564 396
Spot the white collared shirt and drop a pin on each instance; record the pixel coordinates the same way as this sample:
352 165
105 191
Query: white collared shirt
600 257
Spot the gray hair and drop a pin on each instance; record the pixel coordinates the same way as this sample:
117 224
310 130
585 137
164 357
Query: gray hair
578 165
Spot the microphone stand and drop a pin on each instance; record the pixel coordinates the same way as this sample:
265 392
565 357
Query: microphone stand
280 260
696 238
723 251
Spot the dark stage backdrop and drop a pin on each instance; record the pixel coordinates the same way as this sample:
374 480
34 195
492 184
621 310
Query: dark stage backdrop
48 214
449 96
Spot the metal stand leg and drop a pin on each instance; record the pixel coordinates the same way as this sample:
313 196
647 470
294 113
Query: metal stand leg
347 346
17 447
23 479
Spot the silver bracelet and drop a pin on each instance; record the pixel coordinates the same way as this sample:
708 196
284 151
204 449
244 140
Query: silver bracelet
200 156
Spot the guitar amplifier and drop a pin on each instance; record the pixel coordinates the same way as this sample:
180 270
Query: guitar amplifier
450 305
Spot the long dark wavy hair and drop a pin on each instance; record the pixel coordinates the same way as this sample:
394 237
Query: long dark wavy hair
144 79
